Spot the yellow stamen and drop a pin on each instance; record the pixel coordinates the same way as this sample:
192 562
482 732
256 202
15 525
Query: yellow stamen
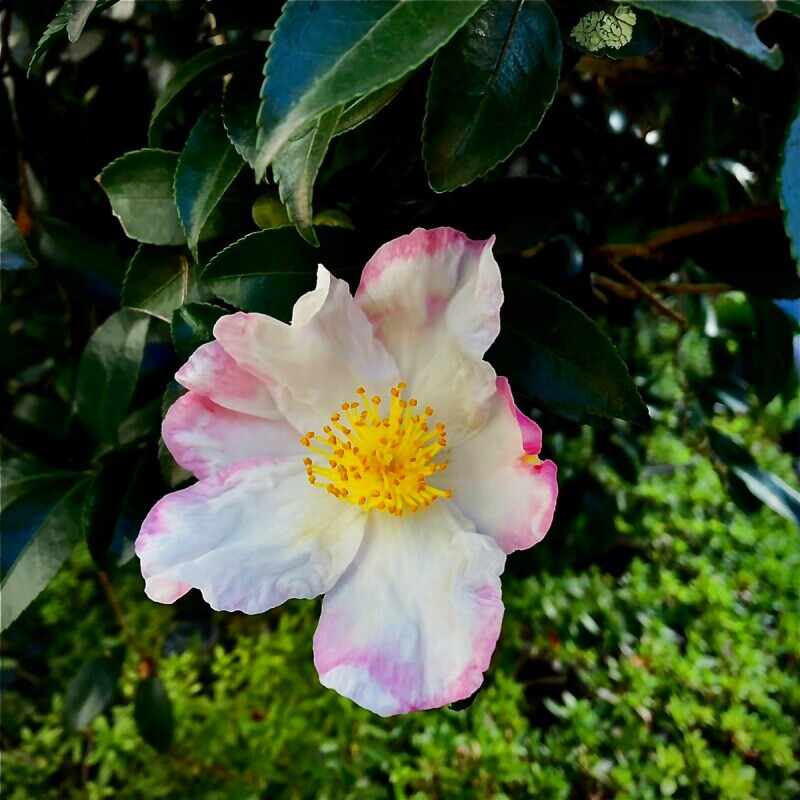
385 461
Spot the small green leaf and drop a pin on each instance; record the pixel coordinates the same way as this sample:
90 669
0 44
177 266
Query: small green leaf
72 17
193 325
267 271
159 280
363 108
732 21
489 89
790 184
140 188
240 105
553 352
349 50
296 166
152 710
108 371
14 252
40 530
206 65
91 689
206 168
269 212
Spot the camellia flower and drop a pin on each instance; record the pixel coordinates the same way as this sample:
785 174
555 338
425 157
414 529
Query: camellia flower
366 452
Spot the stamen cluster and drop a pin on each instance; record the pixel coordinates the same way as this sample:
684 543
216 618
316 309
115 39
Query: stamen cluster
379 462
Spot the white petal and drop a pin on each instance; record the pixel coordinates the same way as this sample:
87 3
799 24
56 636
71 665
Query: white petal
434 299
413 622
204 437
248 538
211 371
315 364
507 496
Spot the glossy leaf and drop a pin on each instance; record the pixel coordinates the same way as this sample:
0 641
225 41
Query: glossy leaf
732 21
269 212
72 249
240 104
296 167
121 495
72 17
206 168
18 476
140 188
152 710
44 527
91 689
489 89
14 252
363 108
349 50
551 351
772 358
766 487
193 325
207 65
108 371
267 271
790 184
159 280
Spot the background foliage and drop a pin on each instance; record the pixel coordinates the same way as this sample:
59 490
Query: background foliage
642 185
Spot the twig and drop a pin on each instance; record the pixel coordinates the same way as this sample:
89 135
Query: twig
648 294
116 607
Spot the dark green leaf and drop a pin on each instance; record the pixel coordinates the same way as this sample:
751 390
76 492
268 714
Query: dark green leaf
240 105
14 253
159 280
91 689
152 710
551 351
18 476
62 244
732 21
122 494
296 166
80 11
349 50
140 188
773 492
108 371
207 65
71 17
790 184
206 168
267 271
366 107
193 325
790 7
489 89
772 357
43 526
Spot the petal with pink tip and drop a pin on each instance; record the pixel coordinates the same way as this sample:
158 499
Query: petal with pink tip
204 437
414 621
212 372
248 538
315 364
434 298
498 481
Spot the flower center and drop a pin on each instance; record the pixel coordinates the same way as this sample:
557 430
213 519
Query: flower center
379 462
